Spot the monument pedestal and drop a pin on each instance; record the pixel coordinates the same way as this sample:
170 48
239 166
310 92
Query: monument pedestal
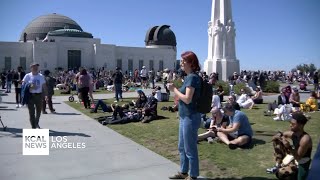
225 67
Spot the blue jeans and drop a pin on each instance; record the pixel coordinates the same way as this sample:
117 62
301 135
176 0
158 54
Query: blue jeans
188 150
102 104
9 83
118 90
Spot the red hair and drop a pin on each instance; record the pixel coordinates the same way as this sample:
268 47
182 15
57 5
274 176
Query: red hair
191 58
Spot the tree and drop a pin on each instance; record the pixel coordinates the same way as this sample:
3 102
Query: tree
306 68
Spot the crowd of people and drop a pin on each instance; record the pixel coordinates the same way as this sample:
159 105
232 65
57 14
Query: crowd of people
227 124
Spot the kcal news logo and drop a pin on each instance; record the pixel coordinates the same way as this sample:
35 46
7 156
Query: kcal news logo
35 142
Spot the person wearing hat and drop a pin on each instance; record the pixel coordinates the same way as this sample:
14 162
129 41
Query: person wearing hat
50 82
143 75
38 89
302 143
117 79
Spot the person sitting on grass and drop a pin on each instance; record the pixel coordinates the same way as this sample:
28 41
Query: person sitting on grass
257 98
220 92
157 93
244 100
149 111
311 103
283 110
141 101
302 146
239 132
295 99
282 100
218 120
232 100
127 85
66 89
215 100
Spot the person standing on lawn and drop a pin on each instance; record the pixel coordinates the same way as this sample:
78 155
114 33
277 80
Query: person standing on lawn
189 118
118 78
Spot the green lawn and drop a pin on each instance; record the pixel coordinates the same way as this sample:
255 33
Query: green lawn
216 160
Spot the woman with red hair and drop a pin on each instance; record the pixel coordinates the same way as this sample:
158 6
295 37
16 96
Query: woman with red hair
189 118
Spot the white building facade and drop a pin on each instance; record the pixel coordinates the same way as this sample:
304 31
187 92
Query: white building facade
62 44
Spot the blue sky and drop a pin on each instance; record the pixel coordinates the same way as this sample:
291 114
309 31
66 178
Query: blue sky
271 34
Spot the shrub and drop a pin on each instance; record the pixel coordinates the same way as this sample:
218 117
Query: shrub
272 87
224 85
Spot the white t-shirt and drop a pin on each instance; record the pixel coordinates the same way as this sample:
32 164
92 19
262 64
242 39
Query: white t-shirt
158 96
242 99
143 73
37 81
216 101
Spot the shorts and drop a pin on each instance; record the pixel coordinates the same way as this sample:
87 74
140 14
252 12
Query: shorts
247 145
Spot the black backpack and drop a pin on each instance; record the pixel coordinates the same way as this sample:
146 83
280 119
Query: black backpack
203 103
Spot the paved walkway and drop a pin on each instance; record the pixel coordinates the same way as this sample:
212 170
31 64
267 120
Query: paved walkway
108 155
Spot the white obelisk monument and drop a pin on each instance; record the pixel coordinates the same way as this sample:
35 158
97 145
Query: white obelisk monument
221 42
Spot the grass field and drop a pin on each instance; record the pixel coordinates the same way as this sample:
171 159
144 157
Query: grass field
216 160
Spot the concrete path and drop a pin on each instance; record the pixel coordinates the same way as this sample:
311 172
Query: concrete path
108 155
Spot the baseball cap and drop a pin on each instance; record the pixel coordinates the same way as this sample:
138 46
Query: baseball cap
34 64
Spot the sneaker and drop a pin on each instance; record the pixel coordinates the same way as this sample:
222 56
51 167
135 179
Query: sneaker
17 106
106 122
44 112
277 118
115 101
210 140
20 105
179 175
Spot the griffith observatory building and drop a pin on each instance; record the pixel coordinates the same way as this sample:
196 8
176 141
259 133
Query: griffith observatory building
56 41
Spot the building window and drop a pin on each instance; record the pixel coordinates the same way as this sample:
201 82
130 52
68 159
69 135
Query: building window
130 65
151 64
140 64
119 63
23 62
161 65
7 63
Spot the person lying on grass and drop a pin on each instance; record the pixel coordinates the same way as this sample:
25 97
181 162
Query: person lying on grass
121 114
